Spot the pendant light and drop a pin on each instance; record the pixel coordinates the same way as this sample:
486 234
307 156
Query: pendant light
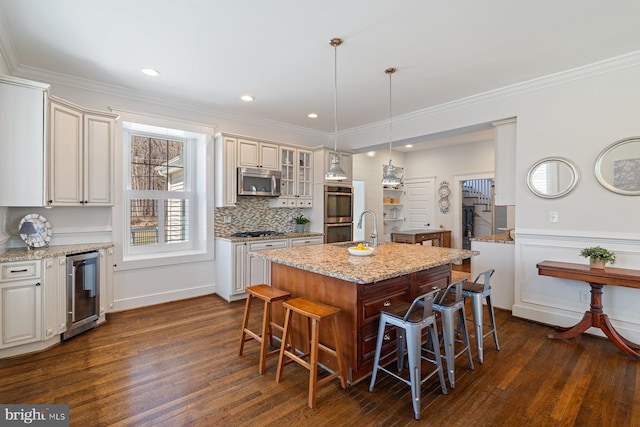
335 172
390 178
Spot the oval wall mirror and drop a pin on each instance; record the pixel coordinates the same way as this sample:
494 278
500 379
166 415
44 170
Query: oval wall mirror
618 167
552 177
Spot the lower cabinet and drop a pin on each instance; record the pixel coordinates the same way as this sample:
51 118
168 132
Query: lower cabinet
21 303
236 268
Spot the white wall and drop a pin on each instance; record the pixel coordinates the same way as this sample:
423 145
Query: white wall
4 236
575 117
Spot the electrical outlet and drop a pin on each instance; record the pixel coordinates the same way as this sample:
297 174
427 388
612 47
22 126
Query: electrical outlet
227 219
584 296
553 216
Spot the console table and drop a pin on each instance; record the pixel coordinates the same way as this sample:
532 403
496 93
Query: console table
440 238
594 317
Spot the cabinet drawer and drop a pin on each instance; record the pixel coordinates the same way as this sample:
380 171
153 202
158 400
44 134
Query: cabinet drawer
20 270
371 307
271 244
369 338
307 241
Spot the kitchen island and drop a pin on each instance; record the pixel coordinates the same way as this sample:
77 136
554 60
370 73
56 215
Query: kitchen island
360 287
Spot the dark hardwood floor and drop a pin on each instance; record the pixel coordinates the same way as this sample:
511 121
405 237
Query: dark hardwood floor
176 364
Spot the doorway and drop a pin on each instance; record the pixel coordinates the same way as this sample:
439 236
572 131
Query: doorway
482 223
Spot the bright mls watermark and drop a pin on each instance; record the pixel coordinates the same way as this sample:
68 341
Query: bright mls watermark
34 415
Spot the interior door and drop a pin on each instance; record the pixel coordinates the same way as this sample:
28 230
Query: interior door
420 203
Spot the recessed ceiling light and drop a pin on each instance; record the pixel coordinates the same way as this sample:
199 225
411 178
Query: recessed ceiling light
247 98
371 153
409 146
312 115
150 72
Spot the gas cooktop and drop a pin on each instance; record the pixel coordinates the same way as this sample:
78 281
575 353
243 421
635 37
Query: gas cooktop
257 233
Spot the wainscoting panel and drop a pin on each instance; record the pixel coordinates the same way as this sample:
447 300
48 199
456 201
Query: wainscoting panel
561 302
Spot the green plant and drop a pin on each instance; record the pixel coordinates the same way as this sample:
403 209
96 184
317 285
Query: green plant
596 253
301 219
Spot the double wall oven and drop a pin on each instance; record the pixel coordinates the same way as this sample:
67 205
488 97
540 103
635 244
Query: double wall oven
338 213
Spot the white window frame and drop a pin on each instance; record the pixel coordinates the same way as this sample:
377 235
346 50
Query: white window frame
196 160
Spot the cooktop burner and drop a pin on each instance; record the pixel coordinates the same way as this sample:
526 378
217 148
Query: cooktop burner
257 233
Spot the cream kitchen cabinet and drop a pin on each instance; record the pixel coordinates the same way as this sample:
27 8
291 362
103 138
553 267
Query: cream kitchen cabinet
296 182
21 303
226 192
81 155
106 283
256 154
304 241
22 142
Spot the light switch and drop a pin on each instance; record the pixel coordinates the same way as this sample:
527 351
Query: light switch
553 216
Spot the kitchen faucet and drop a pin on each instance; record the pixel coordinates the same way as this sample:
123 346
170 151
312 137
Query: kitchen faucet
374 235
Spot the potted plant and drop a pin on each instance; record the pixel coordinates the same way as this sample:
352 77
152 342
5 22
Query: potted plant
598 256
300 221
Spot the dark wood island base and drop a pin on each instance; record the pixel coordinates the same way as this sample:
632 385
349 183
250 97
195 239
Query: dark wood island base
360 306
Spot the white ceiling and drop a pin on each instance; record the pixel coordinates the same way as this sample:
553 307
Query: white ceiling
209 52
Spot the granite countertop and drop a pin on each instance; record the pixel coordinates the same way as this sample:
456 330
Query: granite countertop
389 260
23 254
494 238
273 237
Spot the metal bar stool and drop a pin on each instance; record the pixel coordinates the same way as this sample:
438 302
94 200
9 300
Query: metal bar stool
451 307
477 291
410 319
269 295
314 312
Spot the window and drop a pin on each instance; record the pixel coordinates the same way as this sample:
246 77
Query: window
160 197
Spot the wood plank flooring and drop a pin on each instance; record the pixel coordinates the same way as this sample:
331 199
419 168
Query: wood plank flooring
177 364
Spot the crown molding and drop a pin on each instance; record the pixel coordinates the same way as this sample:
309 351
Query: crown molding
165 101
583 72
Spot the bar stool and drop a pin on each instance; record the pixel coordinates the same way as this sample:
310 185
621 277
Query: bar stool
477 291
450 305
314 312
410 319
269 295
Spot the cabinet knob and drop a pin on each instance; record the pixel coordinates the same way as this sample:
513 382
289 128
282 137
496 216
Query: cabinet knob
387 303
387 337
38 284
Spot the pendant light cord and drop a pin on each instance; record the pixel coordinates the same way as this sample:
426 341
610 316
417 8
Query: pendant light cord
390 73
335 95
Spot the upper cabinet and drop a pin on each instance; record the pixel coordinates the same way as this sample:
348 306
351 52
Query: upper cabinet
81 156
225 156
296 166
255 154
505 167
22 142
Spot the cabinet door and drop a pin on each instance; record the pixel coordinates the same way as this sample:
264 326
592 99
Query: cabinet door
98 159
239 268
258 269
288 170
106 282
61 302
304 176
248 154
66 157
50 297
21 318
269 156
22 155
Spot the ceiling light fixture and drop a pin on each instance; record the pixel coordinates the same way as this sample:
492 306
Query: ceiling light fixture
335 172
390 178
151 72
247 98
312 115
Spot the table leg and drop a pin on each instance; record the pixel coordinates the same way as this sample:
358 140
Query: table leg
595 317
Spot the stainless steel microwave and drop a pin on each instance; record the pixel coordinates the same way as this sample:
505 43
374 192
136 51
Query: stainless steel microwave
258 182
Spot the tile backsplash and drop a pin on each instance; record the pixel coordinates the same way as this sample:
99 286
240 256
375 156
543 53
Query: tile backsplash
254 214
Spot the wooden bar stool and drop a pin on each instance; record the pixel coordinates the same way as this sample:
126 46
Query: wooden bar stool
269 295
314 312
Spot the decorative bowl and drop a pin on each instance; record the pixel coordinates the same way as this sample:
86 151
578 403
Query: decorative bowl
365 251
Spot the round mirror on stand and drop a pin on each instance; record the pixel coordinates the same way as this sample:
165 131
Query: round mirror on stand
618 167
552 177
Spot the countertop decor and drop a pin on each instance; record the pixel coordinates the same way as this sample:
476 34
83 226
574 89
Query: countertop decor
23 254
390 260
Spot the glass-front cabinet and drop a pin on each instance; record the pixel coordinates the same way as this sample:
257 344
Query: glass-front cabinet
296 182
